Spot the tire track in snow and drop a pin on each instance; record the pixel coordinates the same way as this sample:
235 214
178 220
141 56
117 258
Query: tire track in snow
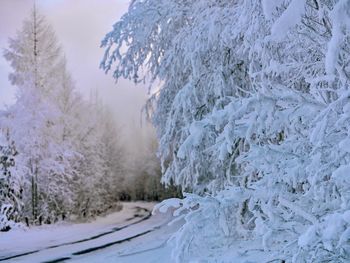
57 260
93 249
115 229
163 244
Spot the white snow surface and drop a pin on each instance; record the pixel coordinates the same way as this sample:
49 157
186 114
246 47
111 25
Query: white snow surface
144 240
39 237
43 238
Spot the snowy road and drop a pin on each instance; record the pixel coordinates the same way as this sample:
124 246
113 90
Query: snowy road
131 235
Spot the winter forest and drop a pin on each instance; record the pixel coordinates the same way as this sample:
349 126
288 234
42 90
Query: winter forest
60 154
250 161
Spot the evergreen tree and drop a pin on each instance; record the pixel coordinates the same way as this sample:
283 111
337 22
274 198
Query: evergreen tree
10 186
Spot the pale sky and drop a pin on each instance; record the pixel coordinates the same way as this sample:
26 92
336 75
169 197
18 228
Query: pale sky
80 25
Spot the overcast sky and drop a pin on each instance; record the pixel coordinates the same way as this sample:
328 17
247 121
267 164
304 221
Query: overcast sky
80 25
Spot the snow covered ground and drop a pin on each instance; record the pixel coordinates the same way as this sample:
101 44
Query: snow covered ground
126 236
129 236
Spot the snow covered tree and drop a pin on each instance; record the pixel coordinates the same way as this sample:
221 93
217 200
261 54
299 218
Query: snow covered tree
252 110
189 52
31 122
100 168
10 185
110 158
34 54
35 120
112 154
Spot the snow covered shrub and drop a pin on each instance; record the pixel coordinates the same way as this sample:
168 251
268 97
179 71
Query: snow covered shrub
10 187
211 223
253 99
327 240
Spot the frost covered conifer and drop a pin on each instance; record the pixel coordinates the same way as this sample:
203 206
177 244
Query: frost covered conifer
10 186
37 121
35 57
